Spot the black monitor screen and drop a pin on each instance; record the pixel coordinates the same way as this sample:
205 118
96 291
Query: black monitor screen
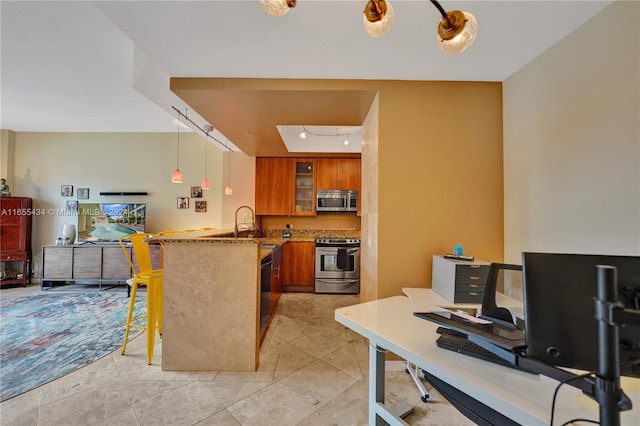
559 292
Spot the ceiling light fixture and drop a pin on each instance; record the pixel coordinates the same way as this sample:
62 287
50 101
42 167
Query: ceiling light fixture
177 176
456 30
302 135
205 182
277 7
378 17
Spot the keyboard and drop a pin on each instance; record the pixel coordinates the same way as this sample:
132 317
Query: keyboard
455 341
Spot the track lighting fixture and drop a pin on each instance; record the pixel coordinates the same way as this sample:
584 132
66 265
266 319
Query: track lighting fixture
277 7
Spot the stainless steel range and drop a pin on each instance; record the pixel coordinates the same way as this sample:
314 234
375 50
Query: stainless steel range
337 265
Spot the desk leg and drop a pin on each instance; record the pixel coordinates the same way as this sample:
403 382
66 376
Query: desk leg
379 415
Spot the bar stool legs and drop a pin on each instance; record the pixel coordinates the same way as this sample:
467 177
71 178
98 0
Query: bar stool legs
152 318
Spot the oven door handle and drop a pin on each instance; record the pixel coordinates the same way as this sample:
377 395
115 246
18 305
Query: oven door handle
334 249
334 281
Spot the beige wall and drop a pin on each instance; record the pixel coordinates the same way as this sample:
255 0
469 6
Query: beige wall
42 162
439 177
369 206
572 142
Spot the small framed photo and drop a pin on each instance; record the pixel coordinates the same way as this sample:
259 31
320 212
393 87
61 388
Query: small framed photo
183 202
201 206
72 206
83 193
196 192
66 190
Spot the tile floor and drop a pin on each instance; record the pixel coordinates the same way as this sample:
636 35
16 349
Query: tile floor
313 371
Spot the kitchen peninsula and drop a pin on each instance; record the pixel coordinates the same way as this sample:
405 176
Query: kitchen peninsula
211 301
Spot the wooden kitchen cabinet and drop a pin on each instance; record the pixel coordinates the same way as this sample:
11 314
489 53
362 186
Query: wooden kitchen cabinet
285 187
15 238
338 173
301 263
274 186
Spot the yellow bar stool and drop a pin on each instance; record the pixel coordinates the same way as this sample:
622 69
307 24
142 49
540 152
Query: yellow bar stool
143 274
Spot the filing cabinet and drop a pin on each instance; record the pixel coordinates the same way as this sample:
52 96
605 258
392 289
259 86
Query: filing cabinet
459 281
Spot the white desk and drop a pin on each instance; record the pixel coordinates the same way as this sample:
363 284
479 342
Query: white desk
525 398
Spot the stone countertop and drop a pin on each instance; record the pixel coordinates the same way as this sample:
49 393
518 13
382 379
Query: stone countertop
226 236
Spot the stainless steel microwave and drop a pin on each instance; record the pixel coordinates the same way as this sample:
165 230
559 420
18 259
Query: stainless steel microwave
336 200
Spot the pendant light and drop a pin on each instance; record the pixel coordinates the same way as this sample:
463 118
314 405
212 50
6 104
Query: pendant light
457 30
205 182
378 17
277 7
229 190
177 176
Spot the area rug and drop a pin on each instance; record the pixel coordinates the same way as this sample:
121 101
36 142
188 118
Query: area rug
44 337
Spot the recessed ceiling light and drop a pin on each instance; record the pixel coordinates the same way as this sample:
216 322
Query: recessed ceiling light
303 135
248 133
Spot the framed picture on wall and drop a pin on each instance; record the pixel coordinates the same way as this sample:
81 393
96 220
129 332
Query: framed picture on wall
196 192
183 202
201 206
83 193
72 206
66 190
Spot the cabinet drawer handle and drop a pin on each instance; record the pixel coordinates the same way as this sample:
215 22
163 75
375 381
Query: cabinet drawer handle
474 277
475 266
473 293
474 285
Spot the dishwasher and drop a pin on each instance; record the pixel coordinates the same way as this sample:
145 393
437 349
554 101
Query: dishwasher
267 264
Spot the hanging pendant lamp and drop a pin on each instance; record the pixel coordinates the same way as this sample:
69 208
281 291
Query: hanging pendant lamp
229 190
205 182
177 176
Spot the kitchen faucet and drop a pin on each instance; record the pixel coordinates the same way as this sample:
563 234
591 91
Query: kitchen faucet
253 220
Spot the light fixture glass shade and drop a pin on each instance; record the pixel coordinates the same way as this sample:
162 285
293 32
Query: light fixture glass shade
228 190
462 39
205 184
275 7
177 176
382 26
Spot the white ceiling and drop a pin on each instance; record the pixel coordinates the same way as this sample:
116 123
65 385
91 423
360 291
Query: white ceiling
104 66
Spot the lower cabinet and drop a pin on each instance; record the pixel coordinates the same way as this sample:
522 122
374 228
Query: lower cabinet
299 257
89 264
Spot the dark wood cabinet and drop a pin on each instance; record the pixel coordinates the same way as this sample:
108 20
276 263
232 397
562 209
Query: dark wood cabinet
301 263
274 186
338 173
15 235
285 187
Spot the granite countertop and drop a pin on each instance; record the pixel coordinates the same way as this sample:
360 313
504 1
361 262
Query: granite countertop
226 236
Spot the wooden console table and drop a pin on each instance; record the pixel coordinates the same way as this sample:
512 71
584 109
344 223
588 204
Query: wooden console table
87 264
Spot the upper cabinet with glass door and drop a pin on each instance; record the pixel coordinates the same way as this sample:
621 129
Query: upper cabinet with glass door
304 188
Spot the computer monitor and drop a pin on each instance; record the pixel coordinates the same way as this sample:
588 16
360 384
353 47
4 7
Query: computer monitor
559 292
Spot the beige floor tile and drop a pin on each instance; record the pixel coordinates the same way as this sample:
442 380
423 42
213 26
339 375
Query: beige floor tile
319 382
313 371
276 405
